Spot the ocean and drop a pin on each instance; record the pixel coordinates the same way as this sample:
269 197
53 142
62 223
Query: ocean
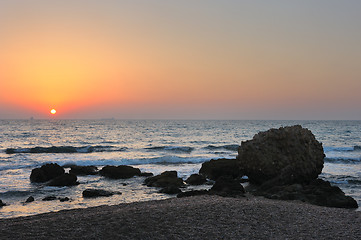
151 145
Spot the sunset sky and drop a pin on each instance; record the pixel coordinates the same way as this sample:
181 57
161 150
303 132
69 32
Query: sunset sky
280 59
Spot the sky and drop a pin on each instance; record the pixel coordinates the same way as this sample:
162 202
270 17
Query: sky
280 59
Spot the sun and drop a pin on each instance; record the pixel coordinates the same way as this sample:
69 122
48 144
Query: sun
53 111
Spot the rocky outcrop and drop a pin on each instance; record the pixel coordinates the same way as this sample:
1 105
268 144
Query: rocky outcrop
46 172
196 179
165 179
83 170
66 179
2 203
119 172
317 192
214 169
286 155
227 186
93 193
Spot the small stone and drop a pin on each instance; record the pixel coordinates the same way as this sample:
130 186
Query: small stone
30 199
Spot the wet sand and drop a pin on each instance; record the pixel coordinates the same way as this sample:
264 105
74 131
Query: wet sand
201 217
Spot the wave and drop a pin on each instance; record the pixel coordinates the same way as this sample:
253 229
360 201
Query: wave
343 149
343 160
230 147
171 148
65 149
103 162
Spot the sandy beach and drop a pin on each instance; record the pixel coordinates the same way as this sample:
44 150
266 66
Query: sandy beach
201 217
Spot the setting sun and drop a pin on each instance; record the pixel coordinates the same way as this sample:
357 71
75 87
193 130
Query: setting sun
53 111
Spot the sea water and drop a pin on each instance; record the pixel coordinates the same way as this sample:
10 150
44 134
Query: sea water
151 145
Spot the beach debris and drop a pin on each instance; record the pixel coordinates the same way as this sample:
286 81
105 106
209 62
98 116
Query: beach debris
170 190
49 198
83 170
287 155
30 199
227 186
46 172
93 193
165 179
196 179
214 169
119 172
66 179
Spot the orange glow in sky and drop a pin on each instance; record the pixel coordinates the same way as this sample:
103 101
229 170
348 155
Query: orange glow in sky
180 60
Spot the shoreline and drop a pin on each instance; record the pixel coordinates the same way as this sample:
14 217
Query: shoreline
199 217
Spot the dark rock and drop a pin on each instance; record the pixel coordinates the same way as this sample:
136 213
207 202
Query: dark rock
49 198
146 174
10 151
287 155
30 199
192 193
64 199
67 179
165 179
196 179
2 203
46 172
170 190
227 186
92 193
83 170
317 192
214 169
119 172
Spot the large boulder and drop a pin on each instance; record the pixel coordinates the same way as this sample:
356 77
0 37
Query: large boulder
66 179
46 172
214 169
2 203
83 170
165 179
119 172
286 155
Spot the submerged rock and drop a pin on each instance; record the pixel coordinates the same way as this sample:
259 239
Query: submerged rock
49 198
46 172
66 179
214 169
92 193
64 199
119 172
287 155
165 179
196 179
83 170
